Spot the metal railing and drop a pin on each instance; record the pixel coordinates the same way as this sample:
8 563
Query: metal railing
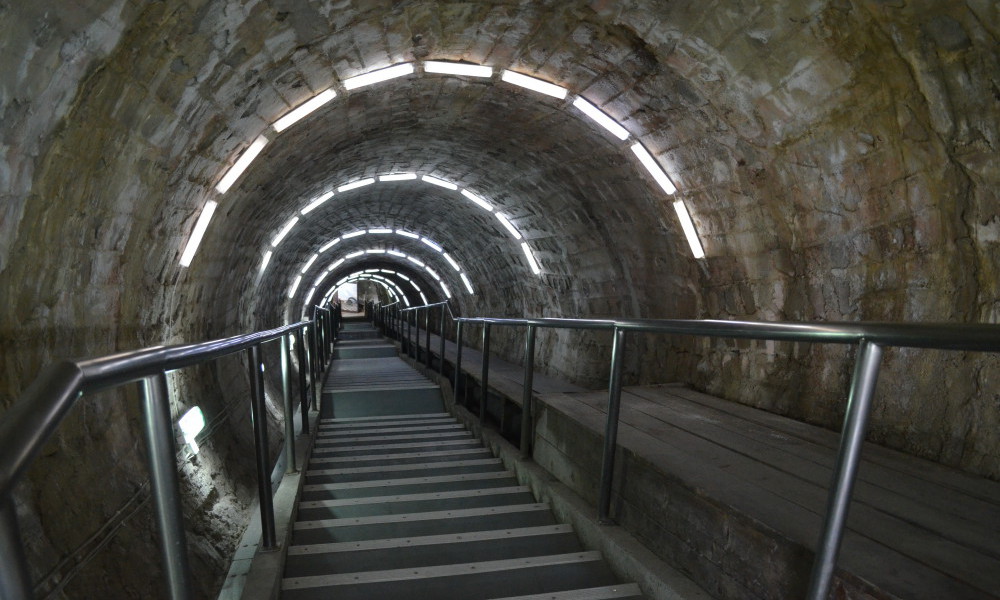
870 339
30 422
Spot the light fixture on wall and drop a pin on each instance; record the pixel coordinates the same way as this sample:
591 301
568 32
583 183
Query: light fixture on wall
356 184
316 202
284 231
199 232
191 425
653 167
510 227
450 68
531 258
241 165
534 84
689 231
397 177
378 76
598 116
482 203
304 110
439 182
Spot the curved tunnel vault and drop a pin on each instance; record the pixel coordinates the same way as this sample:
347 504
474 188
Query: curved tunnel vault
838 157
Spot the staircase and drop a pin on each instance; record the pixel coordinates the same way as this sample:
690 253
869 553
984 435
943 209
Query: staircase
400 501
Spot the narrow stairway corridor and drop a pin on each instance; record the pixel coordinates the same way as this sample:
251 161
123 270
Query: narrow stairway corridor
400 501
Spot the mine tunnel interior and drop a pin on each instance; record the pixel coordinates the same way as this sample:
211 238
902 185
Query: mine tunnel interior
837 161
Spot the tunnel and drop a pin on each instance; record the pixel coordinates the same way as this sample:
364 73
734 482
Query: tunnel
179 171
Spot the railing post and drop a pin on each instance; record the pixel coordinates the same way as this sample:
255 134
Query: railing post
441 365
286 395
852 438
166 492
314 368
485 374
611 427
258 413
416 321
526 399
15 582
409 334
300 352
427 331
458 361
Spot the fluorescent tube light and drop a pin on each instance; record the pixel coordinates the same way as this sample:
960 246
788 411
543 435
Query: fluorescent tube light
447 292
510 227
439 182
304 110
295 286
356 184
329 245
396 253
375 251
407 301
653 167
284 231
309 263
450 68
403 277
200 227
601 118
336 264
308 297
468 285
432 244
370 271
482 203
352 234
534 84
397 177
531 259
451 261
379 230
191 425
415 261
378 76
689 231
241 165
355 254
315 203
422 297
432 273
267 259
408 234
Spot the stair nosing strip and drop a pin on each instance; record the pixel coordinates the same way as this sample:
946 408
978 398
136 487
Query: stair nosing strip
428 540
380 483
370 457
434 444
416 467
382 418
606 592
415 436
457 513
490 566
404 428
476 493
347 426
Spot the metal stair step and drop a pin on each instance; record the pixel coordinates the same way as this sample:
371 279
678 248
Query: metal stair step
408 485
384 418
388 471
430 550
357 440
416 446
629 591
389 505
359 432
385 423
395 458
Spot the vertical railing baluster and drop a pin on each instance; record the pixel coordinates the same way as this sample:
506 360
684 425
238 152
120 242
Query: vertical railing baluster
258 413
416 323
166 491
485 376
300 352
852 438
441 364
15 582
286 396
611 427
526 397
427 331
458 363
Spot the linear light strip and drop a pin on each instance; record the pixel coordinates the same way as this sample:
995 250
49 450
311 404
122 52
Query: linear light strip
468 285
314 204
689 231
200 227
449 68
266 260
378 76
510 227
531 259
534 84
601 118
654 169
284 232
241 165
304 110
482 203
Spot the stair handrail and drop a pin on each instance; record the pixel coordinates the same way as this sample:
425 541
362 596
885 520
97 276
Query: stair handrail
870 337
35 416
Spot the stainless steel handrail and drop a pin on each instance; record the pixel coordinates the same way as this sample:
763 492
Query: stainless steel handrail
29 423
871 339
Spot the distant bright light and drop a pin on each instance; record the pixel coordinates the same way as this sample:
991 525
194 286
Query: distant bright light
396 253
534 84
415 261
315 203
304 110
449 68
451 261
200 227
602 119
432 244
379 230
408 234
689 231
267 259
352 234
375 251
531 259
513 231
329 245
309 263
397 177
356 184
653 167
355 254
241 165
439 182
191 425
284 231
468 285
482 203
447 292
378 76
295 286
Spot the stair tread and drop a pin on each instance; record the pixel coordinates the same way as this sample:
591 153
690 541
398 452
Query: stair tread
427 540
416 467
407 481
416 497
384 418
607 592
398 456
421 516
